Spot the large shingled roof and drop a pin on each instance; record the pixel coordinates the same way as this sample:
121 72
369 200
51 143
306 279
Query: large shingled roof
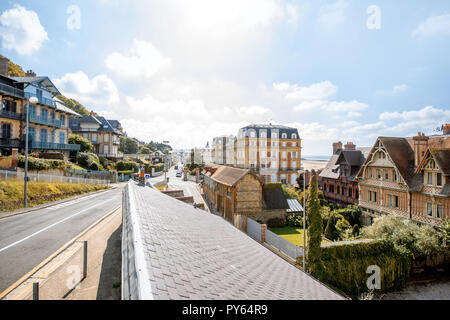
189 254
228 176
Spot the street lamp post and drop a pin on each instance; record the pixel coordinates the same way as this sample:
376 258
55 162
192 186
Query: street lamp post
304 218
33 100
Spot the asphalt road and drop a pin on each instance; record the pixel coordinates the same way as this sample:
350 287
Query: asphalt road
28 239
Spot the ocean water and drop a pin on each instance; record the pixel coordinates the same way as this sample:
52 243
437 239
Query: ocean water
317 158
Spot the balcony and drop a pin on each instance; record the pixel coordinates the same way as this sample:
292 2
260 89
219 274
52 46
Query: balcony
38 145
110 155
10 143
44 121
41 100
8 90
10 115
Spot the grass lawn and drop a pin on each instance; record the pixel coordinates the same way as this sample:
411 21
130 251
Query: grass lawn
292 234
11 193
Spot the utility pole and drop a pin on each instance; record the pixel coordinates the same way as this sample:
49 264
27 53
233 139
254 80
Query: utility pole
33 100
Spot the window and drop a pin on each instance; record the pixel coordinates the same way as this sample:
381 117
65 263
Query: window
393 201
106 138
252 134
372 196
63 120
53 137
283 179
429 209
44 135
386 174
439 179
94 137
338 189
379 174
294 179
294 136
395 175
273 154
106 149
6 131
294 144
62 137
9 106
369 173
85 135
294 165
356 194
284 165
350 192
430 178
284 155
284 136
44 114
284 144
344 190
324 187
263 135
440 211
274 135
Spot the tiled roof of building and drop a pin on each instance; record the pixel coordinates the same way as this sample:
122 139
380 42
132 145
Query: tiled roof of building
274 198
185 253
269 129
105 125
329 170
229 176
402 155
442 158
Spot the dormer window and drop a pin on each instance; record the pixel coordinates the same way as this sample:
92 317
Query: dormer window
430 178
294 136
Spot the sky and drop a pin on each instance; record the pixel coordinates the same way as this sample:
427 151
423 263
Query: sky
186 71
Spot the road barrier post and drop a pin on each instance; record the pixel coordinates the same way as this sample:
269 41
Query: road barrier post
85 257
35 290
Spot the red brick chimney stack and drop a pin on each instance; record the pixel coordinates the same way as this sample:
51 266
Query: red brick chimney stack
420 147
446 129
4 66
30 73
337 146
350 146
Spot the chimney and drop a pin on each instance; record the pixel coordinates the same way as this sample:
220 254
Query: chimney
350 146
420 147
337 146
4 66
446 129
30 73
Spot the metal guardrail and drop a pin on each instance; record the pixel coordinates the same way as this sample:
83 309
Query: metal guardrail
11 90
286 247
41 100
45 121
39 145
38 177
11 115
10 143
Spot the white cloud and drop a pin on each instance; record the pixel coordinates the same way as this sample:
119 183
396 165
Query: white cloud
428 113
398 89
332 15
97 91
142 60
21 30
432 27
316 91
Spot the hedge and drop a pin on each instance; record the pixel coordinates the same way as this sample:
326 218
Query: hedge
35 164
345 266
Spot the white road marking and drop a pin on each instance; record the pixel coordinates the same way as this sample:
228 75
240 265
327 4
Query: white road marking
52 225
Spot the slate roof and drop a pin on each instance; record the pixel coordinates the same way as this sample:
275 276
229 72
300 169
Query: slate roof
279 129
62 108
104 124
44 81
329 170
188 254
274 198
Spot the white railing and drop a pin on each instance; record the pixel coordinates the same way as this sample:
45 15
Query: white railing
37 177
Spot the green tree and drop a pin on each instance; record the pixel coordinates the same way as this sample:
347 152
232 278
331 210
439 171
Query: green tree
314 229
85 144
128 145
144 150
331 232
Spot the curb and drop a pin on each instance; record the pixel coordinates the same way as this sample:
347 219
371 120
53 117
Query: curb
51 204
54 255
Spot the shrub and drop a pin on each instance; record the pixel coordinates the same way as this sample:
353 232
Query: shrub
420 240
290 192
331 233
35 164
276 223
294 220
345 266
127 165
85 144
352 214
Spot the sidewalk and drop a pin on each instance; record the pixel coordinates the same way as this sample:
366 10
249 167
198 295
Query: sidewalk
104 262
